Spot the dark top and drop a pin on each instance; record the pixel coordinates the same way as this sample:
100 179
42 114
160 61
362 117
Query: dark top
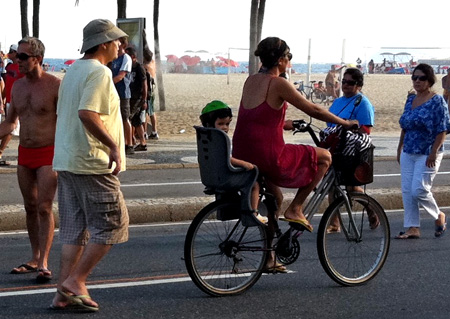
138 78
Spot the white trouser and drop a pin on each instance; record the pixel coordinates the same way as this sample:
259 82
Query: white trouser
417 180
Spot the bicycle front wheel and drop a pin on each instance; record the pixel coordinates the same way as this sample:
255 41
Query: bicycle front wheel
222 256
356 252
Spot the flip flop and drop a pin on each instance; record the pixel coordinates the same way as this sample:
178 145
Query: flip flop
26 269
70 306
277 268
440 230
305 223
44 275
404 235
77 299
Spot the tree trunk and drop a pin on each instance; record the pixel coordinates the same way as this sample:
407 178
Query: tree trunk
121 9
260 20
252 62
256 24
159 77
24 17
36 6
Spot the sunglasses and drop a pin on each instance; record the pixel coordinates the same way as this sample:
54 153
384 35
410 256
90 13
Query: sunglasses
289 56
348 82
420 78
24 56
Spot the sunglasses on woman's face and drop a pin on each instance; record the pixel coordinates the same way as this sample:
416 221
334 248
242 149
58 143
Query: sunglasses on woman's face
419 77
24 56
348 82
289 56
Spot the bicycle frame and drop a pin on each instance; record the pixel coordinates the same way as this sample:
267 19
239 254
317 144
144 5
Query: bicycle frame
327 183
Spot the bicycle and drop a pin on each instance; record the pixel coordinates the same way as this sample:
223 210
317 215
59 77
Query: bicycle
226 250
314 93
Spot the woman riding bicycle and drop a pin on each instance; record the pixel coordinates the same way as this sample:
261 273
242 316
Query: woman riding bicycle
258 137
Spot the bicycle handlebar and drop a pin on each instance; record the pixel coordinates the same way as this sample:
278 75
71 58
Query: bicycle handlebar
301 126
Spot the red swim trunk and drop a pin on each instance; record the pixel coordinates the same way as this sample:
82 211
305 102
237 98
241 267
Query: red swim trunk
33 158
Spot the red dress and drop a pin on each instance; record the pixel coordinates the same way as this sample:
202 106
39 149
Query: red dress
258 139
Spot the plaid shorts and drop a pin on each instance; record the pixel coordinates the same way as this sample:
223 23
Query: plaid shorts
91 208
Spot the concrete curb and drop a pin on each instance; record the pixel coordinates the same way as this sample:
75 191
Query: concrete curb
12 217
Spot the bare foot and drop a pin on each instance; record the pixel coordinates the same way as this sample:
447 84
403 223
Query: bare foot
440 221
59 301
77 289
291 214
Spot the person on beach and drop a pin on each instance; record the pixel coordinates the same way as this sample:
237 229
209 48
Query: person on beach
12 75
258 137
217 114
332 84
89 154
425 123
150 67
33 99
138 100
121 69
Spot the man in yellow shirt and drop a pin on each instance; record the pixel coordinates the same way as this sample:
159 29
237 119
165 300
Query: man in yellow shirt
89 154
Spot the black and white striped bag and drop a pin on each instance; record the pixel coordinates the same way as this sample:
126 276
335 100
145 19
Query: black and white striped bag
352 155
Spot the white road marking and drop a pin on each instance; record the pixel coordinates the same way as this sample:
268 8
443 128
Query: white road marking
160 184
99 286
398 174
199 182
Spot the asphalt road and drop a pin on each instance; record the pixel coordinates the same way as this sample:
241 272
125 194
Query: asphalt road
185 182
146 278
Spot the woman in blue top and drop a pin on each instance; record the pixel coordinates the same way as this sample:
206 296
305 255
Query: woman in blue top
353 105
425 123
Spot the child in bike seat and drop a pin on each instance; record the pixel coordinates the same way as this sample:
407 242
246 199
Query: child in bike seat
217 114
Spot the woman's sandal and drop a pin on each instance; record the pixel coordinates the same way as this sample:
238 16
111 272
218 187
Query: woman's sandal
439 230
44 275
405 235
277 268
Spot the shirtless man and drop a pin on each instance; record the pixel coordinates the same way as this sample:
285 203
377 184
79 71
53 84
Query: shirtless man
34 99
332 83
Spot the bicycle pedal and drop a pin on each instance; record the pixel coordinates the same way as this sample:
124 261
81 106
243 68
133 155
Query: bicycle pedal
297 226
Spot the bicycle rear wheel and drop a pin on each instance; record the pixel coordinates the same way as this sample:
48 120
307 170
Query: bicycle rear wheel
222 256
318 96
356 253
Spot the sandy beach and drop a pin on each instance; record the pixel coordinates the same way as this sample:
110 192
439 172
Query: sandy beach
187 94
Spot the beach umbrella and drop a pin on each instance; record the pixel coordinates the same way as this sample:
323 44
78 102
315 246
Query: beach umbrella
190 61
225 61
234 63
171 58
69 62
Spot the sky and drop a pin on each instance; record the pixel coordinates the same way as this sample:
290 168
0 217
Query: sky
339 31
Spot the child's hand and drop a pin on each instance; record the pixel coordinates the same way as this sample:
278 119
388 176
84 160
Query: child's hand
248 166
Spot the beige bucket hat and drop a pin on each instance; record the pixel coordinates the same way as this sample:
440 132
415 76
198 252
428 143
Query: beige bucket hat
100 31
